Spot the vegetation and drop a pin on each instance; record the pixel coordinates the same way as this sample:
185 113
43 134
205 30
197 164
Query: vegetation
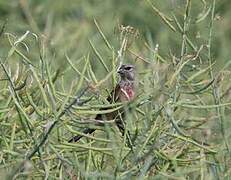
58 65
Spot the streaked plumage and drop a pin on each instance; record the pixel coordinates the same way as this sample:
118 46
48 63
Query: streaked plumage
123 92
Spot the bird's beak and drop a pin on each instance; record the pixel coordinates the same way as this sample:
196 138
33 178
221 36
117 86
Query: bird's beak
120 71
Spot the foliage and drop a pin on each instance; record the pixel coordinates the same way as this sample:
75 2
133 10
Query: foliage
59 62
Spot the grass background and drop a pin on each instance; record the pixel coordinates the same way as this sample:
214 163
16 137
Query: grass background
51 51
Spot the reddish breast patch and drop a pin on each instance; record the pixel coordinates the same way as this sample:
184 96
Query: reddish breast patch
128 92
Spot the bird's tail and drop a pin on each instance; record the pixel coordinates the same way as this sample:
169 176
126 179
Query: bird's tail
78 137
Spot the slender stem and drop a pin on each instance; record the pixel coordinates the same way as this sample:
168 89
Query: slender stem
215 87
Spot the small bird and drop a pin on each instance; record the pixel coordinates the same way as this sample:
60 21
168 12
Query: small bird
123 92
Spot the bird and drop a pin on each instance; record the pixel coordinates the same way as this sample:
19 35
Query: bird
124 91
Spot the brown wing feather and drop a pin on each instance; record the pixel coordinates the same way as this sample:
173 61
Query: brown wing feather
114 95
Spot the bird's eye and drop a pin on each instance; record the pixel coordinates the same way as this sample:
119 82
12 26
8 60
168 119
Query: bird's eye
128 68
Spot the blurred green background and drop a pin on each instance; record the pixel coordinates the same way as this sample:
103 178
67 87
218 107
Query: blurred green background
68 25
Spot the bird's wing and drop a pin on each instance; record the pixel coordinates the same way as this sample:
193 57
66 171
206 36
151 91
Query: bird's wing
114 95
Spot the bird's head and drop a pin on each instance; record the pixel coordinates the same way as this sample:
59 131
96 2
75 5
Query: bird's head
127 72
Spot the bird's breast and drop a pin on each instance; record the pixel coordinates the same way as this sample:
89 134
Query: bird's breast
127 93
